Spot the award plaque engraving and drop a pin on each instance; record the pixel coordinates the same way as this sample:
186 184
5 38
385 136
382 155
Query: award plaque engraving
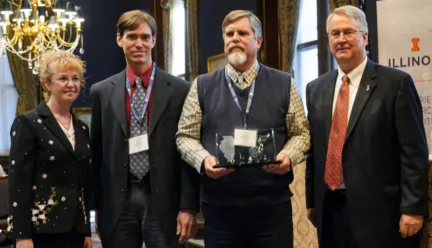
229 155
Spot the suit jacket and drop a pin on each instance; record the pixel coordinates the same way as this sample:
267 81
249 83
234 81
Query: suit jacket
49 182
385 155
174 184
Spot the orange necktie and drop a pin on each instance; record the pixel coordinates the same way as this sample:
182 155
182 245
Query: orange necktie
333 170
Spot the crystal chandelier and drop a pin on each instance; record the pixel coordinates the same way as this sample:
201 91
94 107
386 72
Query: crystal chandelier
31 27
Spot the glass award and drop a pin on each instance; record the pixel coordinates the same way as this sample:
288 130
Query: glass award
229 155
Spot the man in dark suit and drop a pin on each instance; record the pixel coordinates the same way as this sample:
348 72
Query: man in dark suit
144 192
366 176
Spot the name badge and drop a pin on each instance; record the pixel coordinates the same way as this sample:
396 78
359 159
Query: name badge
246 138
138 144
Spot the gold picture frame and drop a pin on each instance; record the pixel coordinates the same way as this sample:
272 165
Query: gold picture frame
216 62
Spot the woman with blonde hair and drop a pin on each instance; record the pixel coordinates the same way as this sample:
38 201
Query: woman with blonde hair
50 162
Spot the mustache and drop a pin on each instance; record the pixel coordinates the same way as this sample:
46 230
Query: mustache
232 46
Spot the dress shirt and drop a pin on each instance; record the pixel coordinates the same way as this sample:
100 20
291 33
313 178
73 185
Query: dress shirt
355 77
145 77
248 76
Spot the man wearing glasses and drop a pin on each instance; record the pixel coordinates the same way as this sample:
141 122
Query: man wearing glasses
366 176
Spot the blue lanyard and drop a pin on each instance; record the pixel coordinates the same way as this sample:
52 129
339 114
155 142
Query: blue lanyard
236 100
140 119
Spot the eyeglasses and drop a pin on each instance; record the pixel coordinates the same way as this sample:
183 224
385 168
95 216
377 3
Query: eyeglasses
349 34
66 80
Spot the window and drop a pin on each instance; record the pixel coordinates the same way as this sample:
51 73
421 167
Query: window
306 56
178 22
8 101
307 31
307 68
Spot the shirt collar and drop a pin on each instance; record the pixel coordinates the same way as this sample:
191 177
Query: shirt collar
144 76
249 75
354 75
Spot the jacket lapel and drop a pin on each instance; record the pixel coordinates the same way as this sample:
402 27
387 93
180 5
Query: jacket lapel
118 100
328 94
161 95
366 87
80 138
51 123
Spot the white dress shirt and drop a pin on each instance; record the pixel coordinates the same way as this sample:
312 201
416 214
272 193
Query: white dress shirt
355 78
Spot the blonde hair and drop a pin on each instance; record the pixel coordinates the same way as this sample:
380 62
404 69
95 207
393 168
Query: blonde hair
61 60
238 14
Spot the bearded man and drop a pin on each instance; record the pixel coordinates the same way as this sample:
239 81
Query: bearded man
244 206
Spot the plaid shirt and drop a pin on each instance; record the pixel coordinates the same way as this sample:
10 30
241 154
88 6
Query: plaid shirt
188 135
248 76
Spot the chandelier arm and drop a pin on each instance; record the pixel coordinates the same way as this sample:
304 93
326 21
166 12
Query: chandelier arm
12 50
50 42
70 48
12 42
17 4
70 33
67 43
50 4
11 47
14 39
48 38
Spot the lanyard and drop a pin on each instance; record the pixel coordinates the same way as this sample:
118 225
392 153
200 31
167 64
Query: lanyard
140 119
236 100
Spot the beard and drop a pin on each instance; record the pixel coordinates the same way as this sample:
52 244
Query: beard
237 58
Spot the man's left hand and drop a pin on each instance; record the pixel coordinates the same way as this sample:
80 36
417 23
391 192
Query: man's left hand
410 224
282 168
88 242
186 225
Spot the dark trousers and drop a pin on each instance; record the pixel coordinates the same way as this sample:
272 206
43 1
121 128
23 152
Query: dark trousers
336 229
137 223
71 239
268 226
337 232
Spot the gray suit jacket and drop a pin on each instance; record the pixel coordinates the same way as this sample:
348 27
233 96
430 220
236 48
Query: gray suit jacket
174 183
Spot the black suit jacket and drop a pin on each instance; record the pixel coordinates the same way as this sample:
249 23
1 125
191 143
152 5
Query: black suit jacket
174 184
385 155
49 182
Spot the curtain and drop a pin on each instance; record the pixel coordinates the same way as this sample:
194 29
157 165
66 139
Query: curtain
24 81
338 3
192 38
288 17
167 32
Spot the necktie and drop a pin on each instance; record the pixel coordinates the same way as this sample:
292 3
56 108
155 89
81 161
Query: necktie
138 162
241 83
333 170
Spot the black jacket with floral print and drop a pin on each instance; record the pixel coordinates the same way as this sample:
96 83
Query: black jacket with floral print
49 181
